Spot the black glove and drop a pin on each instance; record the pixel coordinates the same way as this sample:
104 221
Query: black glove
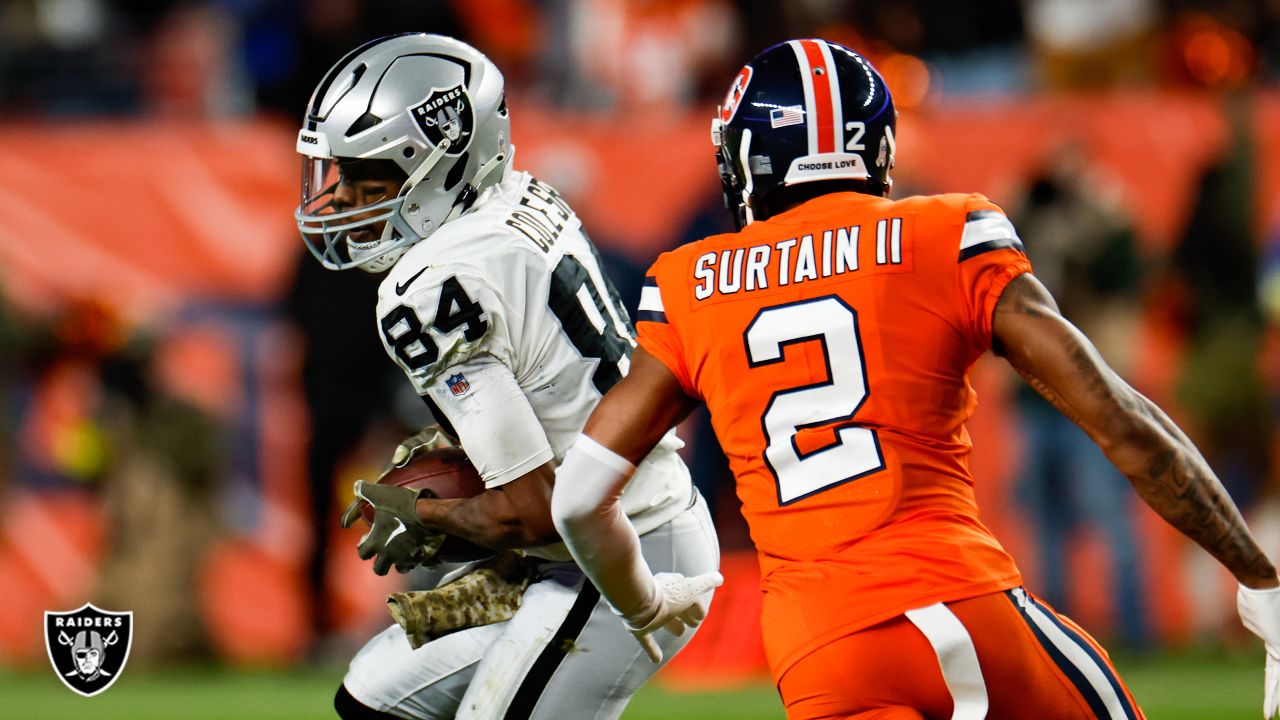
397 537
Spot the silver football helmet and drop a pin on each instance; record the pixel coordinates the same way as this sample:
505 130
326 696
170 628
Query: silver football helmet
429 104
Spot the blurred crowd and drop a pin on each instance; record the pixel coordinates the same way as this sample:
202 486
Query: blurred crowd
86 403
85 408
75 58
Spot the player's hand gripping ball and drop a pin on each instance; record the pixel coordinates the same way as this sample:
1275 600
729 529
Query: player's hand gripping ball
442 473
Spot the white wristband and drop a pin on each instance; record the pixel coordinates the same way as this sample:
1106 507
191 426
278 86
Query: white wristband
595 450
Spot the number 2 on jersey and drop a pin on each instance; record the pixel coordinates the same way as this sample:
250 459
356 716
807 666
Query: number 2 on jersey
856 451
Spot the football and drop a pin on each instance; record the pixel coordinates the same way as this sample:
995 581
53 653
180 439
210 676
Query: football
447 473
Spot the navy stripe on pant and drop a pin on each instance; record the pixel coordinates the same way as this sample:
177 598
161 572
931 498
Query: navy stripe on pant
1066 665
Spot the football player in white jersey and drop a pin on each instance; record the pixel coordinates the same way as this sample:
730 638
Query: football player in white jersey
497 309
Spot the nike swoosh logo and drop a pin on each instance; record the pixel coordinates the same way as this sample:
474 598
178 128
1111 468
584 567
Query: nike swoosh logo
401 287
400 528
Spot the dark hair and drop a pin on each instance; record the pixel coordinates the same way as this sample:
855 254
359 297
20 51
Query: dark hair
356 169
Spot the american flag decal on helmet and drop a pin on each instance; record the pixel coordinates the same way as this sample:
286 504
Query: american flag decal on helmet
458 384
784 116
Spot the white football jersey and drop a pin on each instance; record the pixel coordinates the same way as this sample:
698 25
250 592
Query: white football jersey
506 322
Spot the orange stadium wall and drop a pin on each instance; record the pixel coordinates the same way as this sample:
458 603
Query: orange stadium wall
172 224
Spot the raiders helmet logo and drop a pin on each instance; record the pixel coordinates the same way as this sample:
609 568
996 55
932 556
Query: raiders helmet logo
88 647
446 115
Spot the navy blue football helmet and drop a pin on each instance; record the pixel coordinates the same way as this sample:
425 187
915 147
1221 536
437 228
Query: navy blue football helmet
802 111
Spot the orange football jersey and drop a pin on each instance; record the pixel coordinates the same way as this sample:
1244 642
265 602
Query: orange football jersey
831 344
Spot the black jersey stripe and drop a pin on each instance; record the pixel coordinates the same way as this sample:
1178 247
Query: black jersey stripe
988 246
982 215
441 419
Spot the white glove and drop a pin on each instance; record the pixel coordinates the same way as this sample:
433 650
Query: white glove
1260 612
680 605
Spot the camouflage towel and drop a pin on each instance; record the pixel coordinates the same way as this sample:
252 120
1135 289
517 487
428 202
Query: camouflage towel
488 594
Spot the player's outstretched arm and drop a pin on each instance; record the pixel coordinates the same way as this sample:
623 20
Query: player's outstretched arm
637 412
629 421
1165 468
1162 464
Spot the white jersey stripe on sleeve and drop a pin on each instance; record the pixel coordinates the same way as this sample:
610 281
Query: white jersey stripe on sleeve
651 299
987 230
957 658
987 226
651 308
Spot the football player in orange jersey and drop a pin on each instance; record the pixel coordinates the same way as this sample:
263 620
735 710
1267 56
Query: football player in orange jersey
831 339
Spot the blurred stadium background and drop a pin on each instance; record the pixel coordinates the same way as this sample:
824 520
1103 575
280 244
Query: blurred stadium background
185 397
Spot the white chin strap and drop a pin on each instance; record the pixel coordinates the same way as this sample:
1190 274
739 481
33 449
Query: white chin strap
416 176
379 263
744 148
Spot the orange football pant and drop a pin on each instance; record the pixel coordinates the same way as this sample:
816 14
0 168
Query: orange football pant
1005 655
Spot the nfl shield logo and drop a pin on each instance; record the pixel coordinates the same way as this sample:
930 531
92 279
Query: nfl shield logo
88 647
446 115
458 384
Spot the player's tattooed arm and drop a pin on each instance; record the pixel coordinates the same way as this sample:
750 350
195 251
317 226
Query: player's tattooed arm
1163 465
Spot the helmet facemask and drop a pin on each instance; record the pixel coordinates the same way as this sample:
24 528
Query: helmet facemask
426 110
735 180
350 213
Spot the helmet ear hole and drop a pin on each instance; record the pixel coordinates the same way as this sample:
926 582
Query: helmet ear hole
362 123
